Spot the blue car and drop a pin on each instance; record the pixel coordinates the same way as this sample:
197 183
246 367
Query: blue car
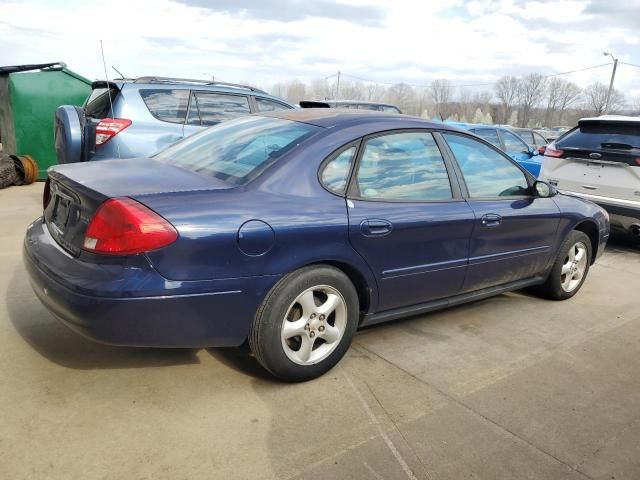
508 141
294 228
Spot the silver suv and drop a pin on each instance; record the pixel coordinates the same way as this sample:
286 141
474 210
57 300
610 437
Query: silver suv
600 160
129 118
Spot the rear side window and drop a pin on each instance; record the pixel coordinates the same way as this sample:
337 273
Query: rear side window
166 105
336 171
403 166
592 137
489 134
239 150
539 140
98 104
212 108
265 105
486 172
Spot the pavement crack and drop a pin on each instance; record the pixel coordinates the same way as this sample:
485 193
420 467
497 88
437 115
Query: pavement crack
463 405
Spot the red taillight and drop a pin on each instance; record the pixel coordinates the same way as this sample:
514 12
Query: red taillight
638 161
542 149
551 151
46 194
108 128
122 226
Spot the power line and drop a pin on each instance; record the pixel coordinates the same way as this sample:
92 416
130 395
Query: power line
486 84
630 64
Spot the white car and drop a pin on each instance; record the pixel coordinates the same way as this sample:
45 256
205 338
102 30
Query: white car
600 160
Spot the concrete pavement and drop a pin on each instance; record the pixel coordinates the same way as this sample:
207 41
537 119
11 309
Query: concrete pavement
512 387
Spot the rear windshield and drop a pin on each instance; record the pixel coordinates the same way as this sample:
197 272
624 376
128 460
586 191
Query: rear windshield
98 104
592 137
239 150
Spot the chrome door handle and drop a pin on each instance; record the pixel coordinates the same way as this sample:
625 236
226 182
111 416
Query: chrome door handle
491 220
375 227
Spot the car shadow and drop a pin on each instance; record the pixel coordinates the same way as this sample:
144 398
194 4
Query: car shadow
623 241
241 360
54 341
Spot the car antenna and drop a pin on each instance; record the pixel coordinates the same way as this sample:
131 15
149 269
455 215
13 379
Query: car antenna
106 77
118 72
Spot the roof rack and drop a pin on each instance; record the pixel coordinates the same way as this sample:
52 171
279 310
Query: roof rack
154 79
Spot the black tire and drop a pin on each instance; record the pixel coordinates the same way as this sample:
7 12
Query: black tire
265 335
552 288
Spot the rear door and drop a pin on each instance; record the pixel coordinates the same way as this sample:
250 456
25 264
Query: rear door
597 158
513 230
210 108
407 218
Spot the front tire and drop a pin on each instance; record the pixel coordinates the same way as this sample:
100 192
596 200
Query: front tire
306 323
570 268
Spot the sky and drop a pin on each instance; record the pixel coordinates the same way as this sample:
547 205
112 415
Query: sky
266 41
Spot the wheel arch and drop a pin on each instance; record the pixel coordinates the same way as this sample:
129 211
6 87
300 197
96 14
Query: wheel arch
590 229
366 291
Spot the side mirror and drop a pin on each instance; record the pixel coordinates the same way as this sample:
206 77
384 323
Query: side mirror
543 189
533 151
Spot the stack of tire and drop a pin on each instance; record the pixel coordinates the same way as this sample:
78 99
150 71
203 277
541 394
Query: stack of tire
17 170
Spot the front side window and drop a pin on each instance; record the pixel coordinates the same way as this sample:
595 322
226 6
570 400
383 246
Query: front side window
513 143
239 150
336 171
166 105
265 105
489 134
213 108
486 172
403 166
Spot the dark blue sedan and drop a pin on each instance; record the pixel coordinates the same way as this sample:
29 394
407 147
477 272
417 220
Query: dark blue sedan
293 229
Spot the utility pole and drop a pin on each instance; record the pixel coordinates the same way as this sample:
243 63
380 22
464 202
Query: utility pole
613 76
338 87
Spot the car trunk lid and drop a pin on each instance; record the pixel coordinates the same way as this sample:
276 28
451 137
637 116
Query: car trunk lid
77 190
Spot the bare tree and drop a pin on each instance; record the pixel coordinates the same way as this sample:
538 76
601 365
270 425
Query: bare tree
403 96
560 95
531 92
441 94
295 91
569 94
507 90
596 98
374 92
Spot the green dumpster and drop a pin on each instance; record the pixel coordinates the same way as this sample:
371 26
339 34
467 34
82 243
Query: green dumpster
29 97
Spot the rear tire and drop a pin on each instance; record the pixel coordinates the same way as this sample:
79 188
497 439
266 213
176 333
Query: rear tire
570 268
305 323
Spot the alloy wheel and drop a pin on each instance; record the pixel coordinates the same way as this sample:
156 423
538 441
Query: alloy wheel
574 267
314 324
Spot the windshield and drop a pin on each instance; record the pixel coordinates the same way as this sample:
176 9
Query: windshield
237 151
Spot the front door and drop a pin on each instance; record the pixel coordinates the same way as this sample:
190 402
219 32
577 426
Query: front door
408 220
514 231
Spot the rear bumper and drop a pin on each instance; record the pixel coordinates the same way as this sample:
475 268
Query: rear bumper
133 306
623 212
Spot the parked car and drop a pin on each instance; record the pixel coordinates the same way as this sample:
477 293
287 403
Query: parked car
137 118
357 104
508 141
294 228
600 160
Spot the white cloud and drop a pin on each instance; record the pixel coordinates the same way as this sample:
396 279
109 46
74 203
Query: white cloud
266 41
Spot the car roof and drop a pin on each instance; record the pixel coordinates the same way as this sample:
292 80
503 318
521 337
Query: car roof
162 83
339 117
611 119
359 102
